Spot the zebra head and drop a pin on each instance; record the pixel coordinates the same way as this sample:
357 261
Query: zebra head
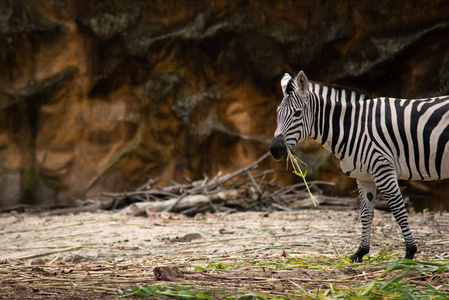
294 116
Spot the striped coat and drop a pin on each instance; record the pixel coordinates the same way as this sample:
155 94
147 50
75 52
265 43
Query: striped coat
377 140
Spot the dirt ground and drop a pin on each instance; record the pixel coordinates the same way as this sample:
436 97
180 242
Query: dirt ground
92 255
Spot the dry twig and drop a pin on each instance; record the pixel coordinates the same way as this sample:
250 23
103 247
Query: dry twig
245 189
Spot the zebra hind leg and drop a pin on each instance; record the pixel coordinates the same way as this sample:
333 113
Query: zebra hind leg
389 188
367 192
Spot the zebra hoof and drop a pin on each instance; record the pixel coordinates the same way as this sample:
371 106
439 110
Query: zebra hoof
355 258
410 251
358 256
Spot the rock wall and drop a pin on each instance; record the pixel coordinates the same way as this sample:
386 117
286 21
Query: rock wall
100 95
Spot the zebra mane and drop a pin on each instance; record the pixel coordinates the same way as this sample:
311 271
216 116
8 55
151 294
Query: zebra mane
341 87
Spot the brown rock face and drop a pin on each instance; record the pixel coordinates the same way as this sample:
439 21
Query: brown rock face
101 95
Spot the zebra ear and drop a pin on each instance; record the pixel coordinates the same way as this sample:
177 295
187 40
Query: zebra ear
302 82
285 82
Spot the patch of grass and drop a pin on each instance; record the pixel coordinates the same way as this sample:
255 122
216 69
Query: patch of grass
212 266
304 262
323 262
178 292
186 292
400 287
379 277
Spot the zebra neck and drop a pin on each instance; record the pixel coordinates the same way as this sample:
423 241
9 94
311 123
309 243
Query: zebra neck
335 125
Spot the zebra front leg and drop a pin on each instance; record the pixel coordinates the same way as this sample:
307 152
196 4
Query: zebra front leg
389 187
367 192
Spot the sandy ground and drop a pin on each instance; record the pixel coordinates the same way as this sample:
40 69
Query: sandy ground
79 242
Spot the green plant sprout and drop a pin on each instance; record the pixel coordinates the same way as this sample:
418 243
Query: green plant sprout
297 171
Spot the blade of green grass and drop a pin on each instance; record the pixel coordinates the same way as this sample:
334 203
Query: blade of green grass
297 171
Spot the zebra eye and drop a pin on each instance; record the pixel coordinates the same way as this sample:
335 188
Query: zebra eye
297 113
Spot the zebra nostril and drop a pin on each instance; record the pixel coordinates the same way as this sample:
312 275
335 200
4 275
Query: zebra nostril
274 149
277 149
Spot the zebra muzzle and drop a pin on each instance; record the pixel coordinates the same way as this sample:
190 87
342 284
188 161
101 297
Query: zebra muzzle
277 148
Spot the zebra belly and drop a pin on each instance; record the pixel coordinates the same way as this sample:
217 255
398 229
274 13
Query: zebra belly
347 166
425 171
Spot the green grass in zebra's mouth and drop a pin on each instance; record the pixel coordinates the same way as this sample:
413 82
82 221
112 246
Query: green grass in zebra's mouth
297 171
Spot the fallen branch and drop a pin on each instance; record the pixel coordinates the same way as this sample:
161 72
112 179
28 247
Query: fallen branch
190 201
140 208
244 189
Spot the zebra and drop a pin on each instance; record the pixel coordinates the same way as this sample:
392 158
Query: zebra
377 140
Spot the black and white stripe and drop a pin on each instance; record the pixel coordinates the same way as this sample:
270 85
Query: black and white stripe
378 141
